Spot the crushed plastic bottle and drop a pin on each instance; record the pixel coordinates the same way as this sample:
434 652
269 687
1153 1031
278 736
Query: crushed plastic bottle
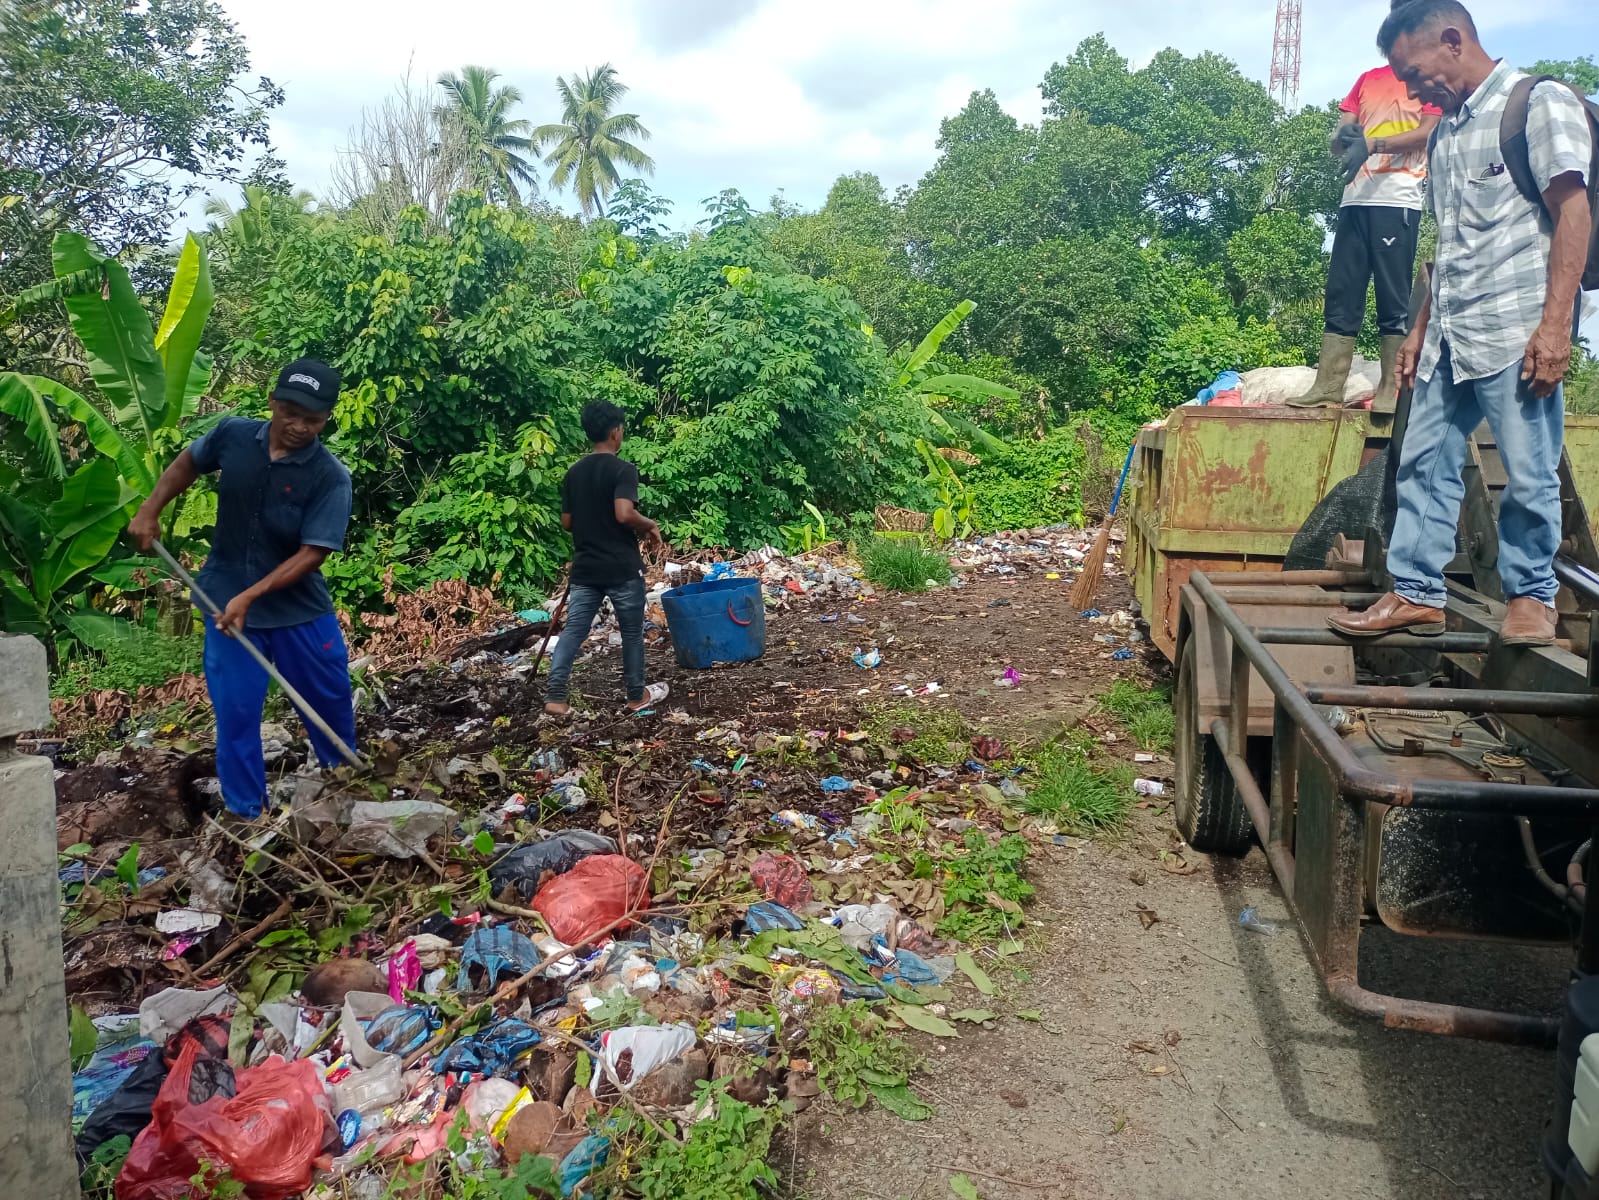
1251 919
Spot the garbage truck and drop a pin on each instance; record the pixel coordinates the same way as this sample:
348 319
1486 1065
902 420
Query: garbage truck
1441 786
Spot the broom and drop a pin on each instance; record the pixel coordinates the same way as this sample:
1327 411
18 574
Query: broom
1094 565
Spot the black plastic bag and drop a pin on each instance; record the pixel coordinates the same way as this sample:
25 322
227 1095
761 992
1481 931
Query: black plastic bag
528 866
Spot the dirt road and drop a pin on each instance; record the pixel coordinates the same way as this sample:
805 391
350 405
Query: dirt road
1195 1058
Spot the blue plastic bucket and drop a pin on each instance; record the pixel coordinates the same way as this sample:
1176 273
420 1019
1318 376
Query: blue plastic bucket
720 621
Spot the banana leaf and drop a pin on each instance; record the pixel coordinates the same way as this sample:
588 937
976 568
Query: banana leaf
113 328
20 399
177 339
966 387
923 354
83 525
104 436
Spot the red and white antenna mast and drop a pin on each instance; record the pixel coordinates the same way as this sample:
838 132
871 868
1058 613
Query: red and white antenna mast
1285 54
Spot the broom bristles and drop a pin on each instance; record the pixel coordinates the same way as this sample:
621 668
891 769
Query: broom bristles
1093 566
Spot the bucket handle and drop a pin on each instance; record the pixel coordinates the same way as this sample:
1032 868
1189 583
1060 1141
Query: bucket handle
734 616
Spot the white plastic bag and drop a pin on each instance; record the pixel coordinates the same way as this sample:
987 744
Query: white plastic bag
651 1045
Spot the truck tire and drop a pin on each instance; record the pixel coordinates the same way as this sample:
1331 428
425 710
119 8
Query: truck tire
1209 812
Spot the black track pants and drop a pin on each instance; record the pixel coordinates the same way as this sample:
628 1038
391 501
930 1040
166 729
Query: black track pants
1372 243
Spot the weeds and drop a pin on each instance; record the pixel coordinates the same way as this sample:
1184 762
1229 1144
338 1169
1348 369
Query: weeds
724 1158
856 1060
983 888
934 729
140 658
1068 787
903 564
1146 712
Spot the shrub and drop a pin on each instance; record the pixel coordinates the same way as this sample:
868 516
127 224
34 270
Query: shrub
903 564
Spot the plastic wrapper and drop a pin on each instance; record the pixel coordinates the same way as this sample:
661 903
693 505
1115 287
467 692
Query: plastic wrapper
268 1135
591 897
392 828
528 867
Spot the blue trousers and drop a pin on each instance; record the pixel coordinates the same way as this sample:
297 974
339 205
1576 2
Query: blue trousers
582 603
312 657
1528 430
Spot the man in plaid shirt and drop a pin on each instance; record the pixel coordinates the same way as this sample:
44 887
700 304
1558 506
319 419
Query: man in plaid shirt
1494 338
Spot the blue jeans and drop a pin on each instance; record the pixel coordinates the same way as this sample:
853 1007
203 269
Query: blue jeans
1528 430
313 659
582 603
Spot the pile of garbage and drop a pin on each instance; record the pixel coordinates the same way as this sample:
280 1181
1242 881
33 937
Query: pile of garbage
430 967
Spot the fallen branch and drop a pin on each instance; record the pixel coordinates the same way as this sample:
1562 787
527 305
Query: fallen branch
248 937
318 886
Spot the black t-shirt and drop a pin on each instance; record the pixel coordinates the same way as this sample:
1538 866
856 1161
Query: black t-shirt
605 551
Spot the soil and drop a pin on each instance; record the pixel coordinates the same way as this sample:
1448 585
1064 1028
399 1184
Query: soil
1174 1053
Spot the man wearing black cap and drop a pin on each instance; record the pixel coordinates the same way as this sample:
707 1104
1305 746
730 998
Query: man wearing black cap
283 502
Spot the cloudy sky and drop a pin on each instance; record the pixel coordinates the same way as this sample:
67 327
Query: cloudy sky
768 95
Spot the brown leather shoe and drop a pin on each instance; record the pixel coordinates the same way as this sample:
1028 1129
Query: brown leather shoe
1391 614
1527 622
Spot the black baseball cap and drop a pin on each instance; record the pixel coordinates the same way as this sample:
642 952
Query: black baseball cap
308 383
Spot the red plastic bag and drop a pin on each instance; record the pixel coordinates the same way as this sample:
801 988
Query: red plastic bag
268 1136
783 878
599 890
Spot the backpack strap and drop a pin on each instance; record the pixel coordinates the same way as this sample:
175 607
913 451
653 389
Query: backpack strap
1513 136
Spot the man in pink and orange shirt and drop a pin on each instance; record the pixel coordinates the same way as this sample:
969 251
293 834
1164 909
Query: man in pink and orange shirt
1383 145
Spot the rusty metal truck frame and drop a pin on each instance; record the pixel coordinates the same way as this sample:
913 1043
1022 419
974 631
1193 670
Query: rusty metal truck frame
1313 823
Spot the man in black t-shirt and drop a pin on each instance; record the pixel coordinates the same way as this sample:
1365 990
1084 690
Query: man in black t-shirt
599 499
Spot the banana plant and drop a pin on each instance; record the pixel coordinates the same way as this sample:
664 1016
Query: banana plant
916 375
61 522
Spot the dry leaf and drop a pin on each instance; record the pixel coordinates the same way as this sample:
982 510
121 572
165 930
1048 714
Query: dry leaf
1146 914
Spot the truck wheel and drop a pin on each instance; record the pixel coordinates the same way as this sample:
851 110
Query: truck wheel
1209 811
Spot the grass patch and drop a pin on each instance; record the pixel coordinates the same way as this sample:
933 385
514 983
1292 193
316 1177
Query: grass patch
903 564
1146 713
935 728
1069 788
141 658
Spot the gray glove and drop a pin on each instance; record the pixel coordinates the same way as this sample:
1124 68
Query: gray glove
1355 153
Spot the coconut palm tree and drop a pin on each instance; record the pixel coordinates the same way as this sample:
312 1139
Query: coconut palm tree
591 139
496 143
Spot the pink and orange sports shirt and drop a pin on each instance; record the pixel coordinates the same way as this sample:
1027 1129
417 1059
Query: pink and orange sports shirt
1382 106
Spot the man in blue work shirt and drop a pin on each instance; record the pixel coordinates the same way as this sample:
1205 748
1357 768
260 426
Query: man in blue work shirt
283 502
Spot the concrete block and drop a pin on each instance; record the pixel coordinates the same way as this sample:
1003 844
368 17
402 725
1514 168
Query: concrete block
36 1158
24 685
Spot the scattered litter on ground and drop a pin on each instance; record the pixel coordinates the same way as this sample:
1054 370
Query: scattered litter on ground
526 931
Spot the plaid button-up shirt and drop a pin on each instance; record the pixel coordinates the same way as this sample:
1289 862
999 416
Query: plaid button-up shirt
1493 243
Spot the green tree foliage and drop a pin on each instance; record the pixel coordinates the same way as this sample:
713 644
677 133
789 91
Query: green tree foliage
591 141
497 142
111 115
1581 72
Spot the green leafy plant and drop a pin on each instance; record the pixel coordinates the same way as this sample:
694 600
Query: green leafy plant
805 536
723 1157
857 1059
105 1164
130 657
64 523
903 564
983 887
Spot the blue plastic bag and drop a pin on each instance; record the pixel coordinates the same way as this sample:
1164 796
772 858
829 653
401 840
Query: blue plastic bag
492 1050
583 1160
769 914
498 950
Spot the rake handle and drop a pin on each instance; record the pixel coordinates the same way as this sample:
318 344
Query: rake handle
209 606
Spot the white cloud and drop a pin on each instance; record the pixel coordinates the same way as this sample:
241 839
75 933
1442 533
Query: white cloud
769 94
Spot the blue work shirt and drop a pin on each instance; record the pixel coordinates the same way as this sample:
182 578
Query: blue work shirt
267 510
